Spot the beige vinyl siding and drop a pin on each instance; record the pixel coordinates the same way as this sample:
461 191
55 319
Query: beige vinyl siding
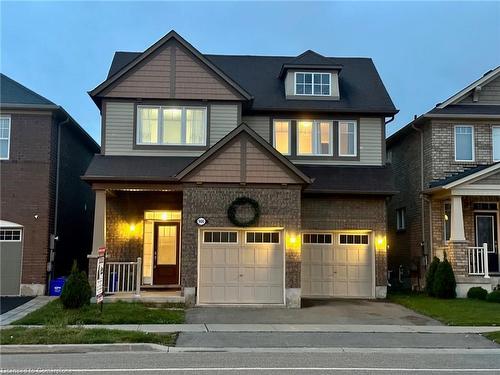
119 134
260 124
371 147
223 119
489 94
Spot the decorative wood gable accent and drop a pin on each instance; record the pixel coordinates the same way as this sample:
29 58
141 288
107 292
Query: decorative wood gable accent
487 93
492 179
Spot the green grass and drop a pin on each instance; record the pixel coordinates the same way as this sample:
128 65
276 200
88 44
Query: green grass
53 313
455 312
52 335
494 336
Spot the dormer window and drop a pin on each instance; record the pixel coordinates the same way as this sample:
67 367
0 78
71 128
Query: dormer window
315 84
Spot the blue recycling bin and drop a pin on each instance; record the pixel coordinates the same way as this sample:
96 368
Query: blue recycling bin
56 286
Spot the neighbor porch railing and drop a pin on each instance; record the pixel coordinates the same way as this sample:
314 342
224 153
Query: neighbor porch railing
123 277
478 260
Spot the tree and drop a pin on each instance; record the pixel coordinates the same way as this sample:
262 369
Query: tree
444 285
76 291
431 274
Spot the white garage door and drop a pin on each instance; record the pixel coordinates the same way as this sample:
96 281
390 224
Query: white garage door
337 265
241 267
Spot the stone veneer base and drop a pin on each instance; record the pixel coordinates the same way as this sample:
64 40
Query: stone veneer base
32 289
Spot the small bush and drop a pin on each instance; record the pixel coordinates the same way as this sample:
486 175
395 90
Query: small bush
494 296
444 281
76 291
477 292
431 273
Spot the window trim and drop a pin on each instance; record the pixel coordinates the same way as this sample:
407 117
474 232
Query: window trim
220 242
314 138
183 109
355 138
401 219
493 143
262 243
473 143
20 230
289 122
354 234
312 83
332 240
9 118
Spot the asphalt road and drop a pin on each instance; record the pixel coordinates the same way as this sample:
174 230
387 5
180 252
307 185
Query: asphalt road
338 361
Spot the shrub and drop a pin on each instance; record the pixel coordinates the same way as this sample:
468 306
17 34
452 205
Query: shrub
494 296
76 291
477 292
444 280
431 273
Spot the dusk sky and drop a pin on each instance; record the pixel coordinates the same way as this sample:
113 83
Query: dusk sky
425 52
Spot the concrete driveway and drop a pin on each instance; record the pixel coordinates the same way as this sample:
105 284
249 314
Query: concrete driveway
10 303
312 312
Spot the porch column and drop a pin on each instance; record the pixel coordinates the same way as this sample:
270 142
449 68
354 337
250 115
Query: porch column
457 232
99 237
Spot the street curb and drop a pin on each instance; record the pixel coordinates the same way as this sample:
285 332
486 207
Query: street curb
81 348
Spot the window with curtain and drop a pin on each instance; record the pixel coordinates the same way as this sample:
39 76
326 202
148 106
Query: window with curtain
496 142
314 137
4 137
158 125
464 143
347 138
281 136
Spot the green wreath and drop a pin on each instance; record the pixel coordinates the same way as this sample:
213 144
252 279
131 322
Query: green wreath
242 201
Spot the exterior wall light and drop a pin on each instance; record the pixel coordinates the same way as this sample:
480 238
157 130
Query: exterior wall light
164 216
381 243
132 228
293 241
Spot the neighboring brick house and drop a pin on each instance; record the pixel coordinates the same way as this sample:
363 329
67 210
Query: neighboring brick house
445 166
195 145
46 209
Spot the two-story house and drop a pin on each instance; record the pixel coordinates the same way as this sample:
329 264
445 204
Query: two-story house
242 179
46 209
446 170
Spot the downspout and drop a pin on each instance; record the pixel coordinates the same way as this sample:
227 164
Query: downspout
53 236
422 198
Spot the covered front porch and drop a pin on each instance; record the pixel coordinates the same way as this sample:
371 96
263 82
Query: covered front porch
465 225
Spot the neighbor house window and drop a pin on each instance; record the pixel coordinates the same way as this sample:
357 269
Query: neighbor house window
495 135
313 84
314 137
281 136
447 221
4 137
171 125
347 138
401 218
464 143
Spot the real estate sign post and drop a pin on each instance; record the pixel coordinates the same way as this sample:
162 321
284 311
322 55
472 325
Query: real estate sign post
99 282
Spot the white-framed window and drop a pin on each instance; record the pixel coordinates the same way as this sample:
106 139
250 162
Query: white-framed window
495 137
317 238
447 221
282 136
314 84
262 237
314 137
353 239
4 137
174 126
464 143
220 237
10 235
348 138
401 218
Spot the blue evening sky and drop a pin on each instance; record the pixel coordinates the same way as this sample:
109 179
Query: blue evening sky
424 51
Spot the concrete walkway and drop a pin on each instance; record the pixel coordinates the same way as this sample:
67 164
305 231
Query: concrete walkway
297 328
23 310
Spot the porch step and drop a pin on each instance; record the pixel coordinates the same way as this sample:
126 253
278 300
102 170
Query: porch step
161 287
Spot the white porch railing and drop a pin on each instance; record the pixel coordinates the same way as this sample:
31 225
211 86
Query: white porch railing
478 260
123 277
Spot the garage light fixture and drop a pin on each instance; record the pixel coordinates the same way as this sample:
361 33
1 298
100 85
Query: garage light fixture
293 241
381 243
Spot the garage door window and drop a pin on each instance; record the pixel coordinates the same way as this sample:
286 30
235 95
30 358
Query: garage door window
317 238
263 237
220 237
353 239
10 235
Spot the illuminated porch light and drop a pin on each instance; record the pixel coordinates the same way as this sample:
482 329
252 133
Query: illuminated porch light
381 243
131 227
293 241
164 216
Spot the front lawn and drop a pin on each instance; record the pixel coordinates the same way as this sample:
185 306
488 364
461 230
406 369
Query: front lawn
52 335
455 312
119 312
494 336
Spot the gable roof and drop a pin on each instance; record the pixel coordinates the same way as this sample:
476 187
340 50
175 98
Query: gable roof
244 128
361 88
12 93
465 176
132 62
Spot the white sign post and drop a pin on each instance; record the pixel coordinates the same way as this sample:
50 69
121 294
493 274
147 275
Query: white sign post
99 281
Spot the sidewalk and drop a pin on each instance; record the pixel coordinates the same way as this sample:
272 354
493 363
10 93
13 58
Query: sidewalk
23 310
337 328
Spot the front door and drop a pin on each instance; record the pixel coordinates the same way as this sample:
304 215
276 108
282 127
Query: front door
486 232
166 254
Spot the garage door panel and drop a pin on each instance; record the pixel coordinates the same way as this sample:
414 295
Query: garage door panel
247 256
340 255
